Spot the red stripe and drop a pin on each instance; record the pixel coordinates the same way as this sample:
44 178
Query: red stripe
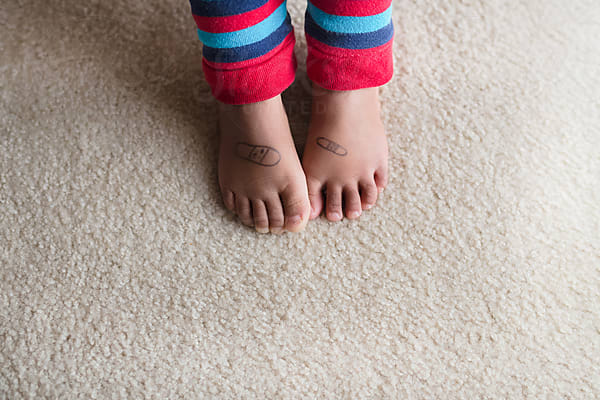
314 44
236 22
346 69
256 82
352 8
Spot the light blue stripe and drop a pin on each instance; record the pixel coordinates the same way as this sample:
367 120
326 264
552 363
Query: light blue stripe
345 24
247 36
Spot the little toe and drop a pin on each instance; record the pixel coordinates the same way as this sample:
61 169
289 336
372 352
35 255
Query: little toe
368 194
296 208
334 202
275 211
260 216
315 196
381 177
352 202
243 210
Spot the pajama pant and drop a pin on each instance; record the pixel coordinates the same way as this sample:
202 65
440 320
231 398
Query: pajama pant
248 46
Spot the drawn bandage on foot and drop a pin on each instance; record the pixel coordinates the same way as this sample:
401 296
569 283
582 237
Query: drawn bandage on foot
262 155
332 146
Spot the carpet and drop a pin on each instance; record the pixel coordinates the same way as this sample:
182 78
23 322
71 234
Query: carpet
477 275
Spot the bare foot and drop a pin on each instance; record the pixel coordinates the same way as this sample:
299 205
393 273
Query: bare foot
260 175
346 153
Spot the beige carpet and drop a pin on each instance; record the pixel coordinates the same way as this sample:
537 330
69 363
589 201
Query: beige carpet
476 276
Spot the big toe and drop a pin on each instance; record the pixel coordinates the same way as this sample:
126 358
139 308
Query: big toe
296 207
315 196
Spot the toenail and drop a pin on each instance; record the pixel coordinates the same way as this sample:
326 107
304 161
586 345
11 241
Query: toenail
368 206
354 214
380 190
294 219
262 230
276 230
335 215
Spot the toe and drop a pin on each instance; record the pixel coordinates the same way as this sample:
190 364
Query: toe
228 199
243 210
368 194
315 196
296 208
334 202
275 212
260 216
352 202
381 177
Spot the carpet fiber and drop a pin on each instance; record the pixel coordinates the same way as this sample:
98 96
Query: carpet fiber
476 276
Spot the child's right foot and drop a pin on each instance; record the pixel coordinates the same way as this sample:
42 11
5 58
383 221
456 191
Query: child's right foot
260 175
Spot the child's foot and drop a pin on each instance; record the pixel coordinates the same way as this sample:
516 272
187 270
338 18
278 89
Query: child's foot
345 158
260 175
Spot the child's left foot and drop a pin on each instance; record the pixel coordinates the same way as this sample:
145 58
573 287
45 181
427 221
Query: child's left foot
346 152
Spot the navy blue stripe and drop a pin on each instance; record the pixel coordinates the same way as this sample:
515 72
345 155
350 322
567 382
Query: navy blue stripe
250 51
354 41
224 8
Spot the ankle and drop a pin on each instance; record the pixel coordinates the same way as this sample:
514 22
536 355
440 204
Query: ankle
225 108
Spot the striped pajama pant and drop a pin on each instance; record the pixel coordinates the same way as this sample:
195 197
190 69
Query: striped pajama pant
248 46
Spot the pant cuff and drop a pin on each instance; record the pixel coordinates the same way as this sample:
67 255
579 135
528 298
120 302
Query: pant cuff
254 80
336 68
